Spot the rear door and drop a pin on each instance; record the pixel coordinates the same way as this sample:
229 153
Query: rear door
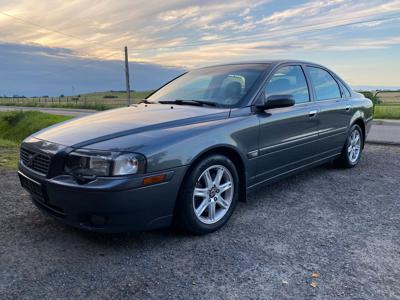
287 135
335 110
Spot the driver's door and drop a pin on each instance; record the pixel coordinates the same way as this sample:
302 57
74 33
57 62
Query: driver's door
287 135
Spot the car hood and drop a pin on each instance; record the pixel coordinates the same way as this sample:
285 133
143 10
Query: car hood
114 123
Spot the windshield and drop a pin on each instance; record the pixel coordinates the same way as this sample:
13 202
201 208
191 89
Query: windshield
222 86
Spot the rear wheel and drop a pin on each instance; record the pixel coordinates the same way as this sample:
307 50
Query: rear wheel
351 153
209 195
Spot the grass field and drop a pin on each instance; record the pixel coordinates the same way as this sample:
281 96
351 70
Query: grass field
387 111
387 102
388 106
97 101
389 97
14 127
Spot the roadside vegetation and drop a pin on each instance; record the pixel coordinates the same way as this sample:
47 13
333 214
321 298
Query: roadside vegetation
386 104
14 127
387 111
96 101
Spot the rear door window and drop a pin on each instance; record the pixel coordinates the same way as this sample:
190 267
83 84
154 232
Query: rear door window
325 85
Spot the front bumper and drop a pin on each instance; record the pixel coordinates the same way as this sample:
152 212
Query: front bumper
106 204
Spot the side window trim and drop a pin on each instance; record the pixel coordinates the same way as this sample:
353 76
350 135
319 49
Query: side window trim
277 68
344 87
307 66
309 84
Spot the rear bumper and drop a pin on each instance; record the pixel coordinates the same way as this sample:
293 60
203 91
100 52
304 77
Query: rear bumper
108 205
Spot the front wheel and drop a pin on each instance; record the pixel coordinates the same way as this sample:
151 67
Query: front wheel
351 153
209 195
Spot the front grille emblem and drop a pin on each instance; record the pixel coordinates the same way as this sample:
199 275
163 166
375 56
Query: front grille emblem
31 158
36 161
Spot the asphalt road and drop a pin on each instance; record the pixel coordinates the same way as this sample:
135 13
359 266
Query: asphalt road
343 224
386 133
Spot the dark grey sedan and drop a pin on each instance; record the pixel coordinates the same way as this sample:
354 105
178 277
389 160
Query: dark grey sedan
189 152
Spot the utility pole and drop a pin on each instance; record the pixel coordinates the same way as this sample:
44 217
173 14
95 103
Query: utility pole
128 88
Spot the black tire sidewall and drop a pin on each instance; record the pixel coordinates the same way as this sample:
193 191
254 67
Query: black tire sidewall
188 219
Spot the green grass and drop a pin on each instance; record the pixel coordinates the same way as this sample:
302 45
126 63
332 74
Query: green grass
31 103
387 112
119 95
386 104
8 155
14 127
97 101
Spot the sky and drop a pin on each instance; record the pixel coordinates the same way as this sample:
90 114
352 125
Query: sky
50 47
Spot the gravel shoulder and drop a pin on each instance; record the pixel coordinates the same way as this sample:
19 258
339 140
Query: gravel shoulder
343 224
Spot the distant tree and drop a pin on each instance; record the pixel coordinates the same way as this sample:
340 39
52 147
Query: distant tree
373 97
62 96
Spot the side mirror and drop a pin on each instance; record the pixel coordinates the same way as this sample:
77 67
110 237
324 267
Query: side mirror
276 101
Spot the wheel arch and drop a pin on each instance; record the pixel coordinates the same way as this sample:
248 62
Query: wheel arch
234 155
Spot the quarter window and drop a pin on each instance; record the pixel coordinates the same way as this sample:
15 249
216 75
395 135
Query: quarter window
346 92
289 80
324 85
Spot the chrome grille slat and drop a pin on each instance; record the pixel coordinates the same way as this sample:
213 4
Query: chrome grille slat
40 162
45 163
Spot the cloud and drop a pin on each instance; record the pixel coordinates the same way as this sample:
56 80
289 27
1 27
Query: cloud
245 12
37 70
102 28
196 33
183 13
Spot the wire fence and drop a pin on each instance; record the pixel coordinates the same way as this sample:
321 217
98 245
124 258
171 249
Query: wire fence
67 102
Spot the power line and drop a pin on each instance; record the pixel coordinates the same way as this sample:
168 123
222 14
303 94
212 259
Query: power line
283 30
21 20
81 65
250 38
238 39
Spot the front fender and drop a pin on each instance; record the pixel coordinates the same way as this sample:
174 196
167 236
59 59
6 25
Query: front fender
239 134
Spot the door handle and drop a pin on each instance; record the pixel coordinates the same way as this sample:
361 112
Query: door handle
348 107
312 113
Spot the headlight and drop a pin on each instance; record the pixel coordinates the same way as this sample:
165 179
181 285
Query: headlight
103 163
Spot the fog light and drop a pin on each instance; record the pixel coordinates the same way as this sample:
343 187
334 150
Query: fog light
154 179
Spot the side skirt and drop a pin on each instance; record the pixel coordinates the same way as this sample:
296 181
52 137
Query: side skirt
292 172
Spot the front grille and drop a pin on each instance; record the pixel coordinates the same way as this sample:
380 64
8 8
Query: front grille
36 161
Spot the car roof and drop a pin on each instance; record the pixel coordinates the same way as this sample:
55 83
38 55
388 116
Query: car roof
271 62
276 62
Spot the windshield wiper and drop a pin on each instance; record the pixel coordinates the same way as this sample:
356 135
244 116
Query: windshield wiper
189 102
145 101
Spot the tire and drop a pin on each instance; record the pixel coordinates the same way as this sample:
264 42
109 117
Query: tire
214 202
351 152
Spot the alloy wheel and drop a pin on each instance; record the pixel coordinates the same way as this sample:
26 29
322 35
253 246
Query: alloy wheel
354 148
213 194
